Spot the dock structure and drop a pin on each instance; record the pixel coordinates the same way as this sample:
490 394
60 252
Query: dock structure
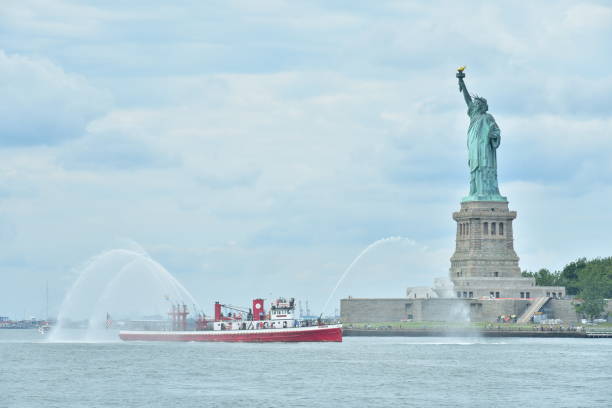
542 332
599 333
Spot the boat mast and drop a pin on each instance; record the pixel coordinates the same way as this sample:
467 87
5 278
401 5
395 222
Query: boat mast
47 301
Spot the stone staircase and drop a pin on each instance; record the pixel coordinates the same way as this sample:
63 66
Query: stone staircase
532 309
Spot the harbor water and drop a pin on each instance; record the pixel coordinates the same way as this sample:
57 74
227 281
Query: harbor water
360 372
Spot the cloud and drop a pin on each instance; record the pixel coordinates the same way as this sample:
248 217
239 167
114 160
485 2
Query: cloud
299 133
8 231
556 149
63 19
225 181
42 104
112 152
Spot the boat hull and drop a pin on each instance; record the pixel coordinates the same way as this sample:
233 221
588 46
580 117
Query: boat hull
332 333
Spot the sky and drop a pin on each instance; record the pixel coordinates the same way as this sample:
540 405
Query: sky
254 149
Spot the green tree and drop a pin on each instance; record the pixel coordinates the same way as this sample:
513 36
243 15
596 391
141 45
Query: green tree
569 276
596 272
593 287
544 277
590 281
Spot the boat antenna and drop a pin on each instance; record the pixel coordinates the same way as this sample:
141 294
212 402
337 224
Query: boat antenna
47 301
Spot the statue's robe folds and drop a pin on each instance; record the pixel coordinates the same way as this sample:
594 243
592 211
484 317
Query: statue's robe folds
483 141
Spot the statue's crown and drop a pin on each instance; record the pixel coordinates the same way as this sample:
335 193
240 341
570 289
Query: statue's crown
480 99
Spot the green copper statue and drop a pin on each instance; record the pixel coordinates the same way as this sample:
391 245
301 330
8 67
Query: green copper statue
483 141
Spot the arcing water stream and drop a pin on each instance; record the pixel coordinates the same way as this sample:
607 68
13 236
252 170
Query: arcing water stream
123 284
350 267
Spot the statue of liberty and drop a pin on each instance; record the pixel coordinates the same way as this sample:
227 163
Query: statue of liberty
482 142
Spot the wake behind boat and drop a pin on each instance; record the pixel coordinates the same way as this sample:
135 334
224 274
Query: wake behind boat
254 325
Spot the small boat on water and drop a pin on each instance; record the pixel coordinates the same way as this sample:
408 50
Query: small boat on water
44 328
254 325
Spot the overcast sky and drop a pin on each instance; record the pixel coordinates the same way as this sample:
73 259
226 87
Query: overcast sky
254 148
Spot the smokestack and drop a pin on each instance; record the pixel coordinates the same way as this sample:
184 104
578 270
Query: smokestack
217 312
258 309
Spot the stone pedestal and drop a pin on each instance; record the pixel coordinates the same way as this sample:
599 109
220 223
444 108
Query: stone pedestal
484 262
484 242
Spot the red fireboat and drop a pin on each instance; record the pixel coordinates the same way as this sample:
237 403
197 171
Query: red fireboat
254 325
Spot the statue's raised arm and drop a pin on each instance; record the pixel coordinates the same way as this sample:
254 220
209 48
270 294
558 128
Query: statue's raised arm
462 87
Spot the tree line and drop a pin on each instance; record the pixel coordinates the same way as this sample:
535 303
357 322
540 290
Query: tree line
589 280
